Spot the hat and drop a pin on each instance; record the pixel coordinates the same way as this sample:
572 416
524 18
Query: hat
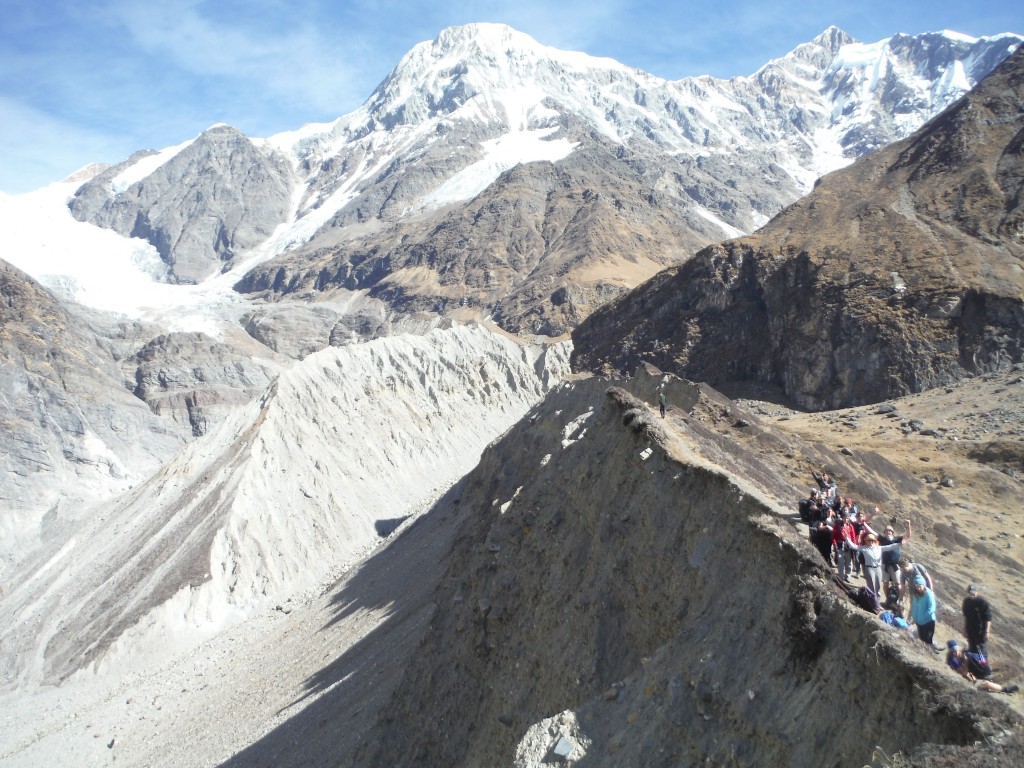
952 645
972 588
919 581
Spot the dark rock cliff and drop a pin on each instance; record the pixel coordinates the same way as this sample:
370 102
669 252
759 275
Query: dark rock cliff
902 272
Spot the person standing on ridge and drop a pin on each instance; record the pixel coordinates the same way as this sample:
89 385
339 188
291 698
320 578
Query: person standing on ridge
891 558
909 570
977 621
843 538
872 552
662 402
923 611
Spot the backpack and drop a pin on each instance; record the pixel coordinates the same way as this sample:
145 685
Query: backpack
805 510
891 556
892 596
868 600
977 665
893 620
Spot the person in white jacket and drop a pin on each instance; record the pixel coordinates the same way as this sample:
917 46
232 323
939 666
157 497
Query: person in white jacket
872 552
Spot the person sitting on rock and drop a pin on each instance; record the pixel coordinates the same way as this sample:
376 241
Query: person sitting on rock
975 668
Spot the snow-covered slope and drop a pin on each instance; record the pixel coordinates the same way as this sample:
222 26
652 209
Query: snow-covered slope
803 112
495 77
271 504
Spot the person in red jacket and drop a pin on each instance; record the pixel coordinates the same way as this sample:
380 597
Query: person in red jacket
844 537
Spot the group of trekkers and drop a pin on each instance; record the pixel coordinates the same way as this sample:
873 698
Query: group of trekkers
847 540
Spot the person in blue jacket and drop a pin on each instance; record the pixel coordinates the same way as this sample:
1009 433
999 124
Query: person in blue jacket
923 610
975 668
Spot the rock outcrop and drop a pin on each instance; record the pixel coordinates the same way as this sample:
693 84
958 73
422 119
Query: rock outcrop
215 198
72 431
903 272
196 381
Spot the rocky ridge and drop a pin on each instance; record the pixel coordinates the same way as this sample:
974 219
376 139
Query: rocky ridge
335 453
567 594
594 513
616 570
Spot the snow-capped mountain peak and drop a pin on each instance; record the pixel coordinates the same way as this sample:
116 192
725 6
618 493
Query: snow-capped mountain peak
459 111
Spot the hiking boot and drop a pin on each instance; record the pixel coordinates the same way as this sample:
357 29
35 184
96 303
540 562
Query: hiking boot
1011 688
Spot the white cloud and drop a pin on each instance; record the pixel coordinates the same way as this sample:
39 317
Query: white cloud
270 51
37 148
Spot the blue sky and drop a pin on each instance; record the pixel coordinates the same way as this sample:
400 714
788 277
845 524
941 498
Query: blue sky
93 81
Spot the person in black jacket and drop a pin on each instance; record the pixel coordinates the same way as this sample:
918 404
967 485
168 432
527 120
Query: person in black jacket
810 508
977 621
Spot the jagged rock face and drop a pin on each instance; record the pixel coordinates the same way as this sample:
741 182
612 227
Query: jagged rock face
916 75
214 199
195 381
72 431
538 250
900 273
